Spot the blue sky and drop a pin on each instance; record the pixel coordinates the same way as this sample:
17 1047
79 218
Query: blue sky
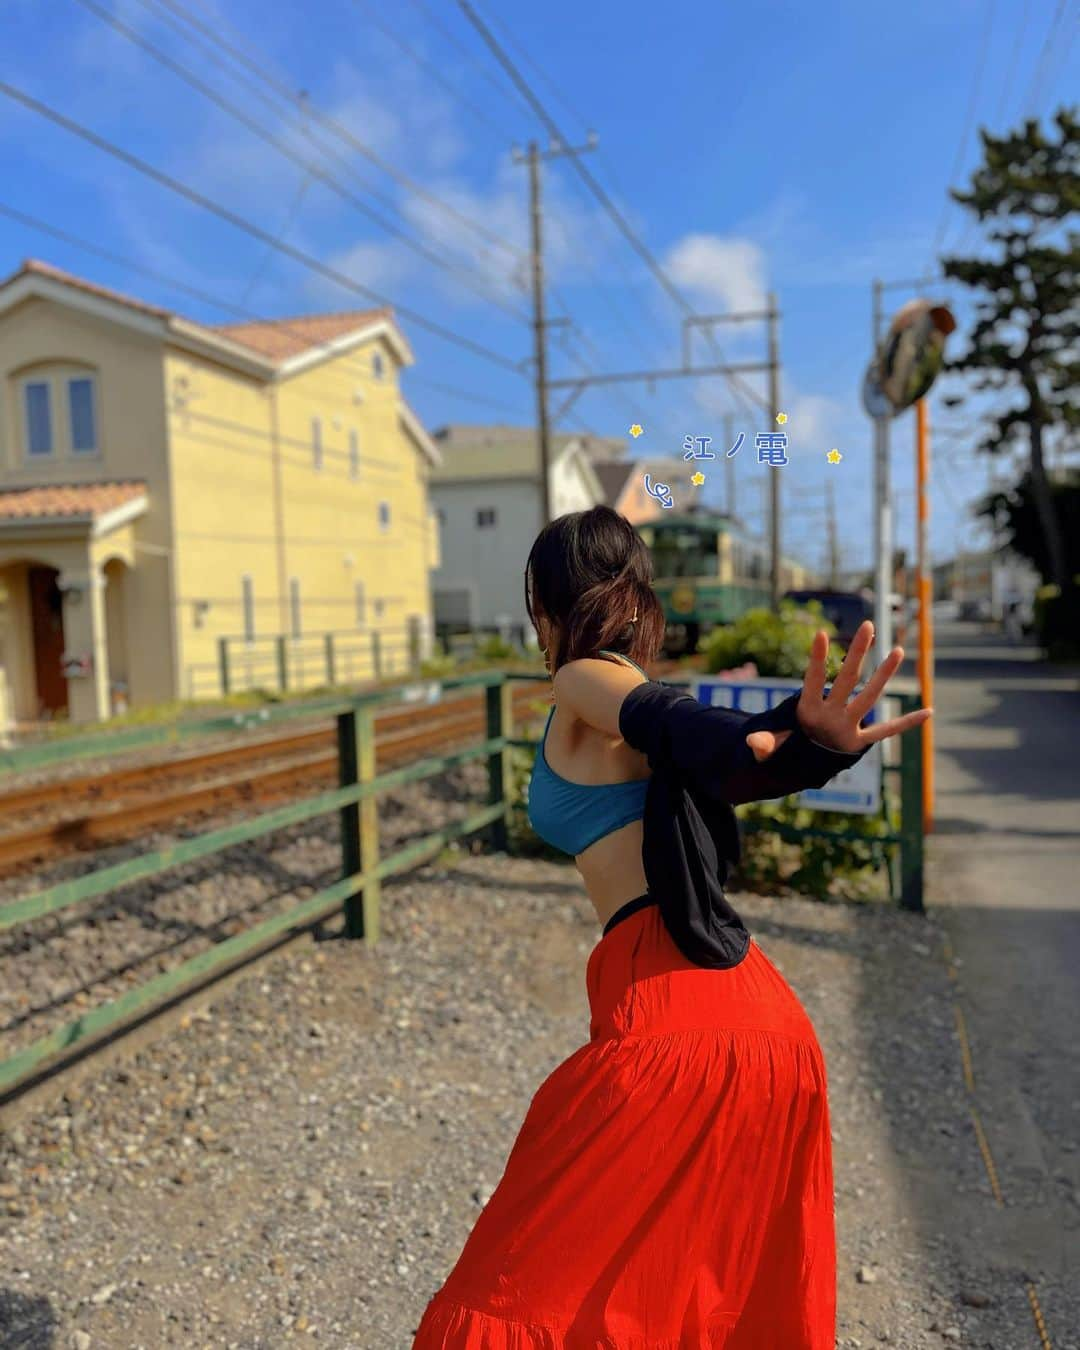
799 149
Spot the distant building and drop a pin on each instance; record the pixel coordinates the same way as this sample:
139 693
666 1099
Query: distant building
183 506
486 493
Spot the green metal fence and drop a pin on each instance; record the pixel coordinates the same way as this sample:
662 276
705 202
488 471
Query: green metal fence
358 890
362 870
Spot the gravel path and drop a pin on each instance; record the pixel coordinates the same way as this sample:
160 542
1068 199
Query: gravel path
303 1154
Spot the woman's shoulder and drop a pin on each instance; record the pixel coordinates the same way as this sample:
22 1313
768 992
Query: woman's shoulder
592 688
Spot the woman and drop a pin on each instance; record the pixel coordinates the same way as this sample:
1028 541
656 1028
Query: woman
671 1184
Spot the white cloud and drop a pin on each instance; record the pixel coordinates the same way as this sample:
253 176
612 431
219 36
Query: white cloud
378 265
724 272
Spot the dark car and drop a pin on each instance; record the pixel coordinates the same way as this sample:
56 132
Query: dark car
845 609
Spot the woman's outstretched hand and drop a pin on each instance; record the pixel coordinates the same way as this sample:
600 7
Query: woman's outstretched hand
834 721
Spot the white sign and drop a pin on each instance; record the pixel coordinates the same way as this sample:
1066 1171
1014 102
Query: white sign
856 790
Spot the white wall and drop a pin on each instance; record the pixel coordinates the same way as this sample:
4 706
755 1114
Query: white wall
490 561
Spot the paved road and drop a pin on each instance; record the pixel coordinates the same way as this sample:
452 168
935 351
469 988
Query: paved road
1004 876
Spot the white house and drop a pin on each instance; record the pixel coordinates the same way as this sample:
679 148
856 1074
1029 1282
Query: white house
486 494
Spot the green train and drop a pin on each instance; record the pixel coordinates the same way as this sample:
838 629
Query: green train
708 570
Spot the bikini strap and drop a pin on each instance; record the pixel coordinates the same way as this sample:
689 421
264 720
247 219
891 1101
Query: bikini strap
606 651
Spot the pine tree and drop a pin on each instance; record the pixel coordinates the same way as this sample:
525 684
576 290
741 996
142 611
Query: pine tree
1027 325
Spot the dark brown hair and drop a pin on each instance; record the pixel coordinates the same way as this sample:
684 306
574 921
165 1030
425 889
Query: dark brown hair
589 572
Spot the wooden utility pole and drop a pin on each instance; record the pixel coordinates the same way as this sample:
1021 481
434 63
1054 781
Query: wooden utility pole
532 158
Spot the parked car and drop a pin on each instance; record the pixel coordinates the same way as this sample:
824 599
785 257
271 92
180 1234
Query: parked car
845 609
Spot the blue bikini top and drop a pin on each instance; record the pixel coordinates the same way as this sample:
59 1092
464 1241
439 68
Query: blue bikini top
571 816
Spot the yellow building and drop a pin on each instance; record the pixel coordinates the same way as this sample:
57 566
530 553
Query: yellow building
186 507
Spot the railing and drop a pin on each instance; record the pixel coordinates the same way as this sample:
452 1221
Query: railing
319 659
906 846
359 889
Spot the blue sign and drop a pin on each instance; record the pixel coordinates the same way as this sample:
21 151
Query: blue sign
857 789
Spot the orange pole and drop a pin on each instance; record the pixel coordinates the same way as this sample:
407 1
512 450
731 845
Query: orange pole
924 581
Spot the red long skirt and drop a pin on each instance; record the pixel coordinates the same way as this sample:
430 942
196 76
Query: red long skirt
671 1185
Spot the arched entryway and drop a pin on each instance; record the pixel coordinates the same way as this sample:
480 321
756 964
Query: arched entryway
32 639
47 632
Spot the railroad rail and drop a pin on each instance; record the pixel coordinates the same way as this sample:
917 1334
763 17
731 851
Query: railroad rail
49 820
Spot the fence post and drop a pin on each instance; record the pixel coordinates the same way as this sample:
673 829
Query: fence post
376 655
911 811
499 723
331 671
282 664
223 664
359 821
414 642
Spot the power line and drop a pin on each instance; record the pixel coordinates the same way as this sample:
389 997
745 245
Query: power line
342 132
1058 13
248 227
1007 86
254 126
432 18
561 142
204 297
972 99
1029 104
432 72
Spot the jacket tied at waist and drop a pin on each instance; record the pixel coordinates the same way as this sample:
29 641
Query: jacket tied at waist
702 768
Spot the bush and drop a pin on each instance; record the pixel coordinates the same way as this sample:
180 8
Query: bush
778 643
496 648
822 868
1057 620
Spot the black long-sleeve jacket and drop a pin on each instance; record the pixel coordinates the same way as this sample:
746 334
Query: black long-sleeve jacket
702 768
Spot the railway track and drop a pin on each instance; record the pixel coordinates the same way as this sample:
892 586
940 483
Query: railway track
49 820
98 809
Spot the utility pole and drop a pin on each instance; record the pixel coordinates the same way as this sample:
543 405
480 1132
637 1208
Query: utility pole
532 157
729 466
774 481
883 532
834 551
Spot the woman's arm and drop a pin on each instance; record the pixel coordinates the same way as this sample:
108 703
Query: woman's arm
735 756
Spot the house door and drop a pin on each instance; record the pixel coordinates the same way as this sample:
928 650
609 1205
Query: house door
47 620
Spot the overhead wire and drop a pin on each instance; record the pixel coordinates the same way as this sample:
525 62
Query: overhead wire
239 222
339 189
973 95
591 182
344 134
432 72
1028 106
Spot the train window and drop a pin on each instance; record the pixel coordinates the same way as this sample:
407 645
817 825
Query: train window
679 552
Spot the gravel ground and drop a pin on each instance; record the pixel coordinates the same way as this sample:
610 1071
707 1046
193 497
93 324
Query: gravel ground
304 1153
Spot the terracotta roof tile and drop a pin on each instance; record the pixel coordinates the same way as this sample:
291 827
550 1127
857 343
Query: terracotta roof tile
67 499
274 339
280 339
69 279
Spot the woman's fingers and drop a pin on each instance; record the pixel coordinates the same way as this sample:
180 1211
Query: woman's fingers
814 680
865 699
895 726
848 675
